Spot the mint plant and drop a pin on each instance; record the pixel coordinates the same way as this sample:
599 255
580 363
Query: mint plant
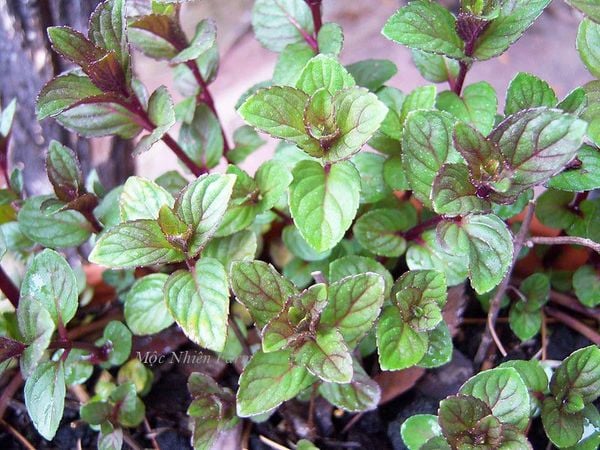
338 261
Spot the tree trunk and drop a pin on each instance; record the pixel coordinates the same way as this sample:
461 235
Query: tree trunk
26 64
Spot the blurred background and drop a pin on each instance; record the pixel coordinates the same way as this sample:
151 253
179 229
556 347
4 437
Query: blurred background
547 50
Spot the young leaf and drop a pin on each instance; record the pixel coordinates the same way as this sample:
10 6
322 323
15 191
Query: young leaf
323 71
203 40
130 411
477 106
326 356
399 345
330 39
64 171
357 265
439 347
353 305
50 280
528 91
261 289
64 92
142 199
279 112
107 29
161 114
272 179
145 309
460 418
156 35
58 230
202 138
430 284
587 45
454 194
488 244
240 246
44 394
278 23
586 177
361 394
418 429
291 62
578 374
133 244
380 230
372 73
37 327
268 380
202 205
118 336
513 19
425 26
504 392
427 146
323 201
435 68
199 302
536 142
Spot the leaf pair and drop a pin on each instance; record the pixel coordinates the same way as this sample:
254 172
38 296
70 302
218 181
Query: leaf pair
412 326
153 233
525 316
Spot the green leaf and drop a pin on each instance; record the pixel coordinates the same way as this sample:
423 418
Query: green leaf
427 146
425 26
536 143
487 243
353 305
528 91
130 410
110 438
261 289
439 347
563 429
95 412
588 38
430 284
435 68
64 92
279 112
161 114
291 62
460 416
399 345
552 209
477 106
422 97
327 357
268 380
278 23
418 429
361 394
513 19
100 119
586 177
246 141
575 102
203 40
107 29
119 337
358 115
202 205
240 246
381 230
525 324
588 7
64 171
134 244
578 374
323 71
323 202
296 244
586 283
199 302
145 308
504 392
536 289
154 35
202 138
44 394
50 280
387 138
273 180
372 73
57 230
373 186
330 39
393 174
243 206
142 199
357 265
37 327
454 194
